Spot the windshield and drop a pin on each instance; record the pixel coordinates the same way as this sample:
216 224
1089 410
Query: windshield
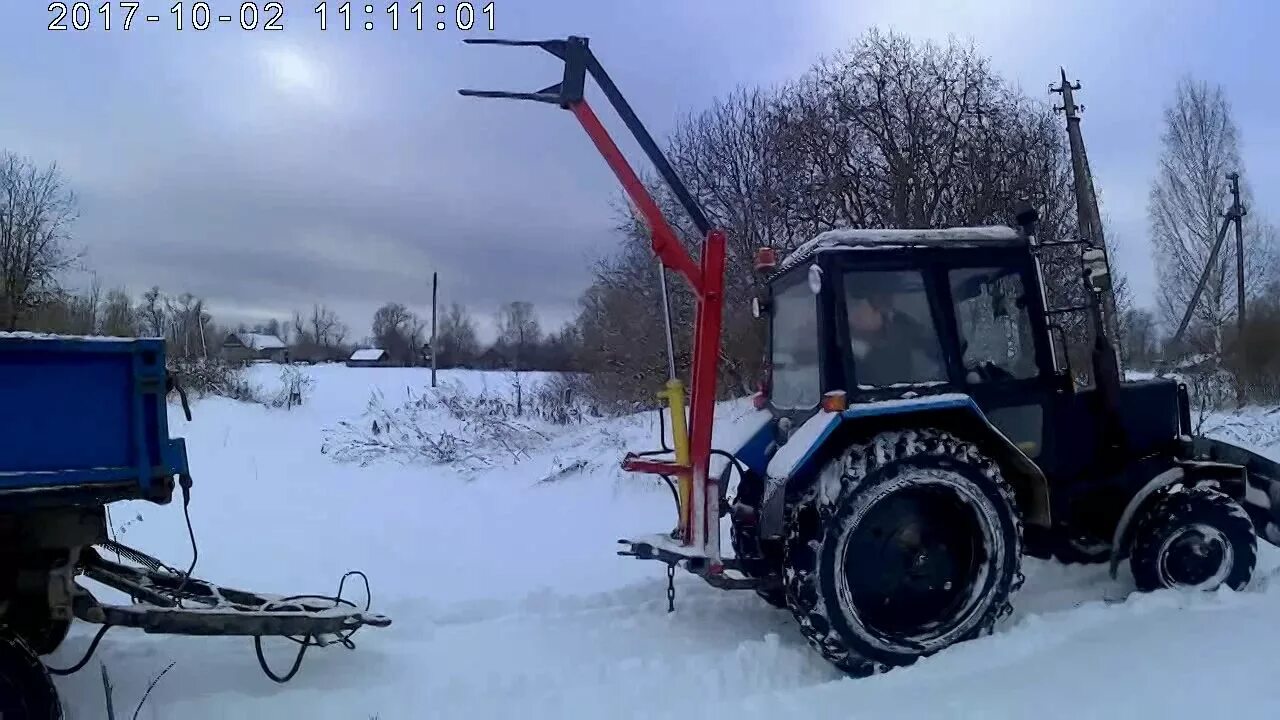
794 380
891 330
995 330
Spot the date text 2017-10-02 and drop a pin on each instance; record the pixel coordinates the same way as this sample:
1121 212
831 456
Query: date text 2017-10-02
201 15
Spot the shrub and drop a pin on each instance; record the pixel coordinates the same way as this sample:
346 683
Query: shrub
448 426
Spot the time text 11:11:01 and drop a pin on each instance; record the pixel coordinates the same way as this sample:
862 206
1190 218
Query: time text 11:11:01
463 15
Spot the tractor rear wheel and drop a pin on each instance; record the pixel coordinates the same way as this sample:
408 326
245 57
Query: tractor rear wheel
30 618
26 690
911 543
1196 539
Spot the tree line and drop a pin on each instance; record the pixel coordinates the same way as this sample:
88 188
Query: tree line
890 132
37 251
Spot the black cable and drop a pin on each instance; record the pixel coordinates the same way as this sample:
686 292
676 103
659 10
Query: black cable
185 482
297 661
308 640
675 494
733 459
662 431
93 646
662 438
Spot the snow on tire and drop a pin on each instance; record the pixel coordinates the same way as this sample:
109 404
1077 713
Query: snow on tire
907 544
1193 538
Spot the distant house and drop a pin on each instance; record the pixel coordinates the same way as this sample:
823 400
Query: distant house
369 357
254 347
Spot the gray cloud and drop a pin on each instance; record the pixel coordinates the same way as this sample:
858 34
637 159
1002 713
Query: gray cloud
270 171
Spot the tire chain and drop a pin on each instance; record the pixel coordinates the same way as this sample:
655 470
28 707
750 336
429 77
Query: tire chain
856 464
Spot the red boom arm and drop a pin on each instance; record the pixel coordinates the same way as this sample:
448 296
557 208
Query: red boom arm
706 276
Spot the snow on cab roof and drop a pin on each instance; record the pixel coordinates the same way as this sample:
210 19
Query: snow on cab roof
854 238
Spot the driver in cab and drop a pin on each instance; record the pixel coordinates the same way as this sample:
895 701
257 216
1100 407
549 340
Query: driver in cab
889 345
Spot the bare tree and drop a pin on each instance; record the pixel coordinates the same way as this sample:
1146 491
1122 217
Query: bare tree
456 341
1141 338
518 331
118 317
889 133
36 213
398 331
299 325
151 314
324 322
1187 202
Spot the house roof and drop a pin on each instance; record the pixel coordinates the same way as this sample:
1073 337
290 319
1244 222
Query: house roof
857 238
259 341
369 354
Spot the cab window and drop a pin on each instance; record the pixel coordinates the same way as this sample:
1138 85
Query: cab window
794 378
891 332
994 325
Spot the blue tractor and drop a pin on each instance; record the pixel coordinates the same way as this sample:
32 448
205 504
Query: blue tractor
84 423
919 431
922 432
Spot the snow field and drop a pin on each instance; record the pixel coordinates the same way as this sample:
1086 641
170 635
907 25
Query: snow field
508 601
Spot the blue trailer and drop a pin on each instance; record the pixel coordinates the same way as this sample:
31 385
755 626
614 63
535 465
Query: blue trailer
84 423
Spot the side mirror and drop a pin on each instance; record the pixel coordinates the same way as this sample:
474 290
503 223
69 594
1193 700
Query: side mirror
1096 272
815 279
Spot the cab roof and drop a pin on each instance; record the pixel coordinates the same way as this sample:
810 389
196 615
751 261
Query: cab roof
986 236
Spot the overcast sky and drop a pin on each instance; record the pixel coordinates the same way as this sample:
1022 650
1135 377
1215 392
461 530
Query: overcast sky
268 170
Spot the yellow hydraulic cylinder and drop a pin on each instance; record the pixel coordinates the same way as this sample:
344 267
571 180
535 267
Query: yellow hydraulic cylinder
674 395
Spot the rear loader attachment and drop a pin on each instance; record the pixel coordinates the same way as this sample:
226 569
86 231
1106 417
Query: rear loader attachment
695 542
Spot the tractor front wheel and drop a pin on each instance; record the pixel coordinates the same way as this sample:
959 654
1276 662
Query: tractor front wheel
910 543
1196 539
26 690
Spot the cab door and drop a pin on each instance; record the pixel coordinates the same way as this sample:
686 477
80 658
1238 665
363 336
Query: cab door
1003 360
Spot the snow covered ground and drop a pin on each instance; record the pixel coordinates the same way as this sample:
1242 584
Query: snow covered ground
508 600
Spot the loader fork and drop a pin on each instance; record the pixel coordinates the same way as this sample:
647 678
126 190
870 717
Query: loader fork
697 532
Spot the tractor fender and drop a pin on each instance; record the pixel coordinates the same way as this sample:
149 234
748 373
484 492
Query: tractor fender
1185 472
1154 485
810 446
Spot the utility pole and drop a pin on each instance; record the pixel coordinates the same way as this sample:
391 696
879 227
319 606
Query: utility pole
1234 216
1089 217
434 286
1239 213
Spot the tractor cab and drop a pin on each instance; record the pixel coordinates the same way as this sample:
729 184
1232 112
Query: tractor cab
876 315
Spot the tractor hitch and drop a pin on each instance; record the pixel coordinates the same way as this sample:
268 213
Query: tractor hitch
723 573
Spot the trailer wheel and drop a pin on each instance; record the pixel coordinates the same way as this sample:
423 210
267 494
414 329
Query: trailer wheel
1196 539
26 690
911 543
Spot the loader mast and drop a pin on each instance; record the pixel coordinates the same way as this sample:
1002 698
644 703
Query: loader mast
697 528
